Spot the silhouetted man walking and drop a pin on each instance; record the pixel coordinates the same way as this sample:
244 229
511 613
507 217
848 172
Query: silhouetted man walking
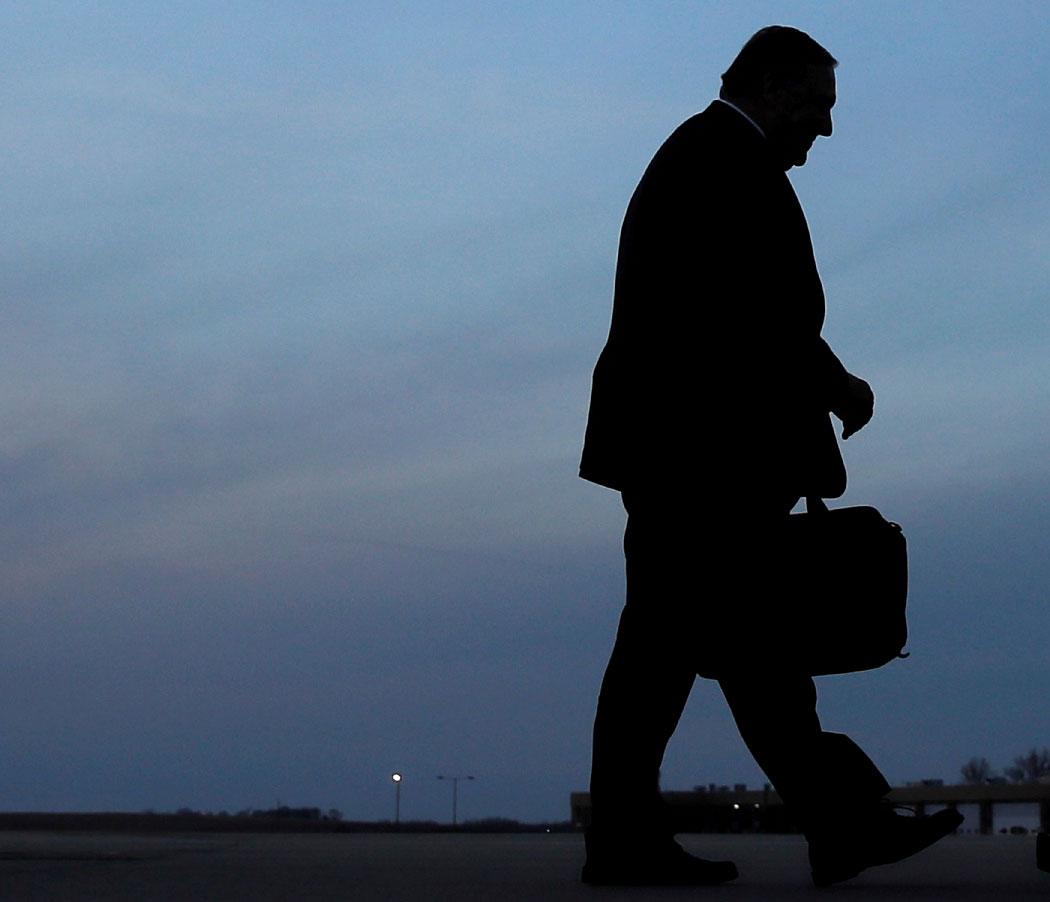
710 415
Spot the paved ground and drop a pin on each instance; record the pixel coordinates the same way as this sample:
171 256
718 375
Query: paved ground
51 866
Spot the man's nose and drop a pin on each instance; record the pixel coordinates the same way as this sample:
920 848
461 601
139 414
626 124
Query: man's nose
825 127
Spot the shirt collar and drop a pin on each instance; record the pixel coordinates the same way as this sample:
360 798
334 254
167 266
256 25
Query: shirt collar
733 106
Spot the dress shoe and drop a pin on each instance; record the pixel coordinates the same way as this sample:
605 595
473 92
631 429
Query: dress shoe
885 838
665 864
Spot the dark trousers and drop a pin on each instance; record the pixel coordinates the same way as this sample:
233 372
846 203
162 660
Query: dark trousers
690 610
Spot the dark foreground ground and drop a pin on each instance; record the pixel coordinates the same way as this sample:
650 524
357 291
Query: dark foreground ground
493 868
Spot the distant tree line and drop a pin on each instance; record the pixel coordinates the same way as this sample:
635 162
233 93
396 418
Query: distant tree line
282 819
1029 768
280 812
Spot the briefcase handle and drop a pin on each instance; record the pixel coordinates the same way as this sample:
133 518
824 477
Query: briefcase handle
815 505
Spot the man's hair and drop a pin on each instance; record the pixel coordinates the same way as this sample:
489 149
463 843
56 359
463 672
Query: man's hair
777 50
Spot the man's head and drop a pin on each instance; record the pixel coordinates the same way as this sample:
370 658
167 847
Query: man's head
785 81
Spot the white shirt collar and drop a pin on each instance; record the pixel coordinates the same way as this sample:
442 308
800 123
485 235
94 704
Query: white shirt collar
733 106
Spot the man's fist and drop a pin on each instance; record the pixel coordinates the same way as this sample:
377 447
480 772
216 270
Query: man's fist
856 408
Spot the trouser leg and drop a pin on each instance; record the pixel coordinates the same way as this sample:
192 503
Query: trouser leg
641 700
646 684
817 774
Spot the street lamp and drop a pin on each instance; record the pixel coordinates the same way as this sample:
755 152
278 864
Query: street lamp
455 790
396 777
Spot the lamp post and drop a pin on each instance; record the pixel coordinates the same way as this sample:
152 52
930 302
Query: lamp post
455 790
396 777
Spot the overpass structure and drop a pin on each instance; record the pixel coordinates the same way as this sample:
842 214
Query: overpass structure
724 810
984 796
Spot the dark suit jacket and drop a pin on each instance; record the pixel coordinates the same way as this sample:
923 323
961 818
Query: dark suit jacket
714 376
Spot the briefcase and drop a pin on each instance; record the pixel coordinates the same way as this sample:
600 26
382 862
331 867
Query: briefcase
846 573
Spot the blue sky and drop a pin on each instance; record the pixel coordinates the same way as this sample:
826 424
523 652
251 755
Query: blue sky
300 307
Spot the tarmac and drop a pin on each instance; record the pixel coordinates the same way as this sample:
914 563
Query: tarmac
492 868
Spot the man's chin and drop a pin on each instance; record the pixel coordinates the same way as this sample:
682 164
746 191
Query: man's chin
795 154
797 159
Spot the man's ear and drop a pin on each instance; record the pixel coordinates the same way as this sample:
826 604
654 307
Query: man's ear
775 92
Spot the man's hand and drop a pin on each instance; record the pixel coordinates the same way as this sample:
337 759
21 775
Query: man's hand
857 407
